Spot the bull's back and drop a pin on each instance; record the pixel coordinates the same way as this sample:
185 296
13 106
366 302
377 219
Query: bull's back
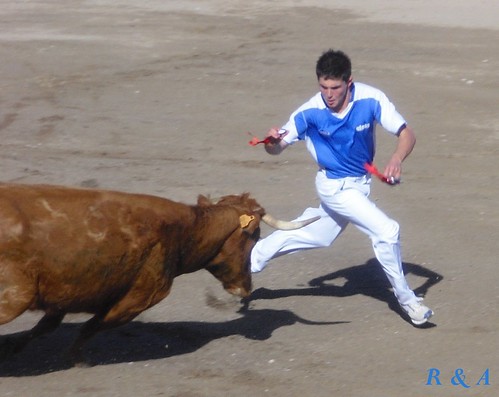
80 245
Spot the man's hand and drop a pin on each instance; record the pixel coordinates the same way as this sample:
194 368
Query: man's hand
393 169
275 144
406 142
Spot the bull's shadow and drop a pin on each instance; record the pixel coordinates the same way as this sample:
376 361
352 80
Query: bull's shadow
140 341
367 279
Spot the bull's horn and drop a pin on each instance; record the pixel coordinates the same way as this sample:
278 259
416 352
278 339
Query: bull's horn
287 225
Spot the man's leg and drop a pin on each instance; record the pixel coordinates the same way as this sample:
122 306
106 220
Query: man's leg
320 233
352 202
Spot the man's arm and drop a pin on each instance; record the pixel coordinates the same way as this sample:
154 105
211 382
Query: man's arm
405 144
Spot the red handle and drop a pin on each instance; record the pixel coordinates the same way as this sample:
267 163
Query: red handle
371 168
255 141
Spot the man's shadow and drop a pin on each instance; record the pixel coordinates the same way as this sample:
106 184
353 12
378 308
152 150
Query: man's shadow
367 279
140 341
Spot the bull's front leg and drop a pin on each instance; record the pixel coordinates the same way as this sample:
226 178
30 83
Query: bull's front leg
13 345
145 293
88 330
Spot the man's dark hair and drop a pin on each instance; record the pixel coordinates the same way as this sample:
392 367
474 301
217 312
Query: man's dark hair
334 65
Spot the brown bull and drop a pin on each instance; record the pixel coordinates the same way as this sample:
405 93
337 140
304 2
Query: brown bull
113 254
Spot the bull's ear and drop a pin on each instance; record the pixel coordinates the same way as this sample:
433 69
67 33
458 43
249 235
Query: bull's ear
245 220
249 223
204 201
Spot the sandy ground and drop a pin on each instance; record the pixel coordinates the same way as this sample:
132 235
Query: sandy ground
159 98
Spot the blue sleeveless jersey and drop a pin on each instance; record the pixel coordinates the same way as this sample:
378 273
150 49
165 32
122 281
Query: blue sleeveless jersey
342 143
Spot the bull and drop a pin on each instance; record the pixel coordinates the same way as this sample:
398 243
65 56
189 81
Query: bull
114 254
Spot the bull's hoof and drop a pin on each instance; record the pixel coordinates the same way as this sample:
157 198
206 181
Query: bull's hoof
9 347
76 359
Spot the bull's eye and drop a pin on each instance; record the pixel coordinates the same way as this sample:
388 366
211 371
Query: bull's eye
215 269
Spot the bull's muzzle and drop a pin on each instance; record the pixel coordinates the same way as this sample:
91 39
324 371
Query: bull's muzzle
238 291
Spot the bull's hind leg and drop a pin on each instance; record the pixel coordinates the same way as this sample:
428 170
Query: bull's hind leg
17 294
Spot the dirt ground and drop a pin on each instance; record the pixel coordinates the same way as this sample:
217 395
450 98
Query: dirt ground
159 98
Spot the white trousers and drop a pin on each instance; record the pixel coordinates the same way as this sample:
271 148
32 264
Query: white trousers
343 201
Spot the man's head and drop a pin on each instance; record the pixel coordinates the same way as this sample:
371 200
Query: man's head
334 65
334 74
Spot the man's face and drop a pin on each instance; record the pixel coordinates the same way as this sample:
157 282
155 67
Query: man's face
336 93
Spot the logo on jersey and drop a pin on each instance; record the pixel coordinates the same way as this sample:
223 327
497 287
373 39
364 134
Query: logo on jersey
362 127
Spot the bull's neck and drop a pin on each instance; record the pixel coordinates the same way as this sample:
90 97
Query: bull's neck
212 227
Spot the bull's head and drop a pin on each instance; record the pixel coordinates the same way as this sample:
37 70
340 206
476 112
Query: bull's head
241 216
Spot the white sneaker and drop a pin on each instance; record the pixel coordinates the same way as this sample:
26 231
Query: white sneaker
418 312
